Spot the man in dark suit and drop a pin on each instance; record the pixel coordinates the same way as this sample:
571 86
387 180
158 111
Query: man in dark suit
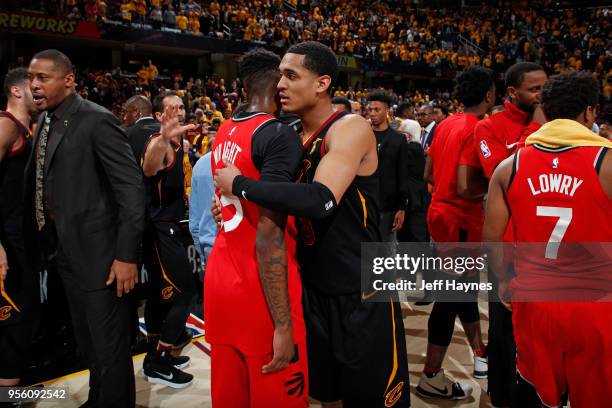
140 124
85 200
428 126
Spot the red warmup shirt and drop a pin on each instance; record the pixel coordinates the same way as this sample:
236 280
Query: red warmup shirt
452 146
556 196
500 135
235 308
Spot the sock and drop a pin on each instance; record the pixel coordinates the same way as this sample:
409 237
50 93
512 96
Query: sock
431 372
481 352
163 347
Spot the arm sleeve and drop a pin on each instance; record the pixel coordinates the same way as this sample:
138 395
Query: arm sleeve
125 178
314 200
277 153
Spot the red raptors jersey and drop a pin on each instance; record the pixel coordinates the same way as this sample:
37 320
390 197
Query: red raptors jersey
555 196
235 308
451 147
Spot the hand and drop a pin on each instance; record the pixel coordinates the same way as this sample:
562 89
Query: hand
398 220
225 177
3 263
170 126
538 115
504 296
283 347
215 209
126 275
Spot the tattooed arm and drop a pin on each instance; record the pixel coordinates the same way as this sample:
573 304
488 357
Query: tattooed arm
272 259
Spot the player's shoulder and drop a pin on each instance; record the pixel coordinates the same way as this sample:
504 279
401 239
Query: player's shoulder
488 123
351 125
7 125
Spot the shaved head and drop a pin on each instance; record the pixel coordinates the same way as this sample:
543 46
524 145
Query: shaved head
141 103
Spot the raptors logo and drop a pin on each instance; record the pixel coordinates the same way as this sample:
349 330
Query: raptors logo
167 292
295 385
5 312
394 395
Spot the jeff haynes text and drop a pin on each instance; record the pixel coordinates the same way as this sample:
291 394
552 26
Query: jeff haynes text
438 284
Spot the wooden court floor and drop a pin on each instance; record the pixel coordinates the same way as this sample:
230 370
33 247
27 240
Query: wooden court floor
458 364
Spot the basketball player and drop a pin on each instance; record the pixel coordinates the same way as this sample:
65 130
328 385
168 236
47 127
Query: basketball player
496 138
253 296
357 351
560 346
455 215
18 280
172 289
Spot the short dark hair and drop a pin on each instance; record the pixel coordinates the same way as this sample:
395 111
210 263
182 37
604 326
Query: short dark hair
256 65
60 60
442 108
473 83
516 73
380 96
15 77
403 106
158 101
567 95
318 58
341 100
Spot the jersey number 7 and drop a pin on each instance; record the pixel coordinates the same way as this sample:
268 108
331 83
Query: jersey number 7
565 217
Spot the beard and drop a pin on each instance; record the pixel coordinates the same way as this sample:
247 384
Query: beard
528 107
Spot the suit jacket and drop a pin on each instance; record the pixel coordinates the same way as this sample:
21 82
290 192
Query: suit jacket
429 138
94 192
391 158
415 167
139 133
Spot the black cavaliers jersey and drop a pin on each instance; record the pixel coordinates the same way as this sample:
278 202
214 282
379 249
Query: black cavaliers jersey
18 293
329 250
11 176
166 190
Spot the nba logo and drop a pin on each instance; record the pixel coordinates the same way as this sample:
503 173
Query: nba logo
555 163
485 149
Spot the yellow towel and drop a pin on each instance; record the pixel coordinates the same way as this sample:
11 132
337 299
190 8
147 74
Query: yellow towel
566 132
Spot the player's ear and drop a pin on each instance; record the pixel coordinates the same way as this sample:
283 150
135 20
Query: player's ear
512 92
323 84
16 91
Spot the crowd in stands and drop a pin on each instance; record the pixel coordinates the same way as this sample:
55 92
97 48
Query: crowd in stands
494 36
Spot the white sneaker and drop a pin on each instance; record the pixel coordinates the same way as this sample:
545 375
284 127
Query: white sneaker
440 386
481 367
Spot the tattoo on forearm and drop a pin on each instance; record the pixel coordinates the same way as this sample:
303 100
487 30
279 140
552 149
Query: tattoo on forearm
272 259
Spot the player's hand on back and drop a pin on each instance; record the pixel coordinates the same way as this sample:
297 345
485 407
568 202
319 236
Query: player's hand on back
224 178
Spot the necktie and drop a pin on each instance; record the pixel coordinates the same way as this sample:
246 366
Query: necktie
41 151
423 136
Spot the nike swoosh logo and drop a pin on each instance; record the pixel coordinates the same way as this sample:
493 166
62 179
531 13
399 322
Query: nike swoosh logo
442 391
511 146
365 296
167 377
243 194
